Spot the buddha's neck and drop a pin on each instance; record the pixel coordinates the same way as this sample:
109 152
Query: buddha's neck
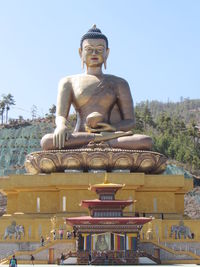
94 71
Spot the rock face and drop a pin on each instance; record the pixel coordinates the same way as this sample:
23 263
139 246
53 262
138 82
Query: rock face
3 203
192 203
16 143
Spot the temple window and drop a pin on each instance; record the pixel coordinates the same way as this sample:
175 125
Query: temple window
131 206
38 204
155 204
107 214
39 230
107 197
30 231
64 203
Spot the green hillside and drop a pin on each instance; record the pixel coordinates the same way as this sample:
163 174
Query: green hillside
175 129
17 141
187 109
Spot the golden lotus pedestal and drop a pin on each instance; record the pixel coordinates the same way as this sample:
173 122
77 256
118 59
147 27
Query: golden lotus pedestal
87 159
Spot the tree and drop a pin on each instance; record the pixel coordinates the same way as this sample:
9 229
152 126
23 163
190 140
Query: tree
52 110
194 133
51 114
20 118
9 101
138 121
147 117
2 109
34 112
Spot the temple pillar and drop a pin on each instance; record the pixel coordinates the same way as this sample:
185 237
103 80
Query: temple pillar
125 236
157 253
51 256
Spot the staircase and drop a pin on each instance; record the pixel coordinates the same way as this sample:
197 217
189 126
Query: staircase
149 256
181 256
41 253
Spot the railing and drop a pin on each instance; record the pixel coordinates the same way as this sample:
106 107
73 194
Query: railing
70 254
67 256
156 215
108 257
151 257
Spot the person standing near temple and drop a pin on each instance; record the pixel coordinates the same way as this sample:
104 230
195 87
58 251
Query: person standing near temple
62 258
42 241
74 231
60 233
54 235
32 259
13 262
89 259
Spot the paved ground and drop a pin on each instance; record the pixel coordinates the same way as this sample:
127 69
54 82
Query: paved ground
49 265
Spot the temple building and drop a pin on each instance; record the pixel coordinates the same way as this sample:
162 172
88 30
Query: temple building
106 233
43 203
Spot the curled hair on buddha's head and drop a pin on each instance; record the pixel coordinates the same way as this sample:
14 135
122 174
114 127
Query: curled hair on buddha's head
94 33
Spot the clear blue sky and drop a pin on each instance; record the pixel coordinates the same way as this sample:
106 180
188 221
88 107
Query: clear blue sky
155 46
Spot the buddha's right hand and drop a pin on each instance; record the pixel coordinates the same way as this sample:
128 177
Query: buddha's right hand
60 136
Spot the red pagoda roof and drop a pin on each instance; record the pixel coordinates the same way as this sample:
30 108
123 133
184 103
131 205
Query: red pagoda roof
105 203
85 220
106 186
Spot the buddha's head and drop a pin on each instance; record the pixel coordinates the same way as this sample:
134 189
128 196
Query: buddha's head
94 48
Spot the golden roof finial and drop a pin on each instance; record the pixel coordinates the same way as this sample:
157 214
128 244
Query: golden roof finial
94 26
106 178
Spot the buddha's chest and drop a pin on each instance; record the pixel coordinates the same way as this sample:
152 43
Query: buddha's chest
95 92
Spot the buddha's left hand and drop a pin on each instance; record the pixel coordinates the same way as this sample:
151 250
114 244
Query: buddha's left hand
102 127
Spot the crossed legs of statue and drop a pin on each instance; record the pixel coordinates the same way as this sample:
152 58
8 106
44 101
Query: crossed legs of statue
78 140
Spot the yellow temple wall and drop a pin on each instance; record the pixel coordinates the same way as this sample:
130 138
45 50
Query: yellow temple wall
154 202
179 203
74 197
153 194
12 202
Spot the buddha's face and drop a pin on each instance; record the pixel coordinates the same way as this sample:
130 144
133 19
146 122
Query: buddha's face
102 239
94 52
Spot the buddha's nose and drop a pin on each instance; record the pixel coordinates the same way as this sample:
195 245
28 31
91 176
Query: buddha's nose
94 52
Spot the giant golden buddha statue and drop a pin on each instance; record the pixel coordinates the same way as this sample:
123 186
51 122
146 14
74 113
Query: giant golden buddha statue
103 103
104 108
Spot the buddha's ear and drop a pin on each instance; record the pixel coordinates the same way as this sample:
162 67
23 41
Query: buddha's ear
82 61
105 59
107 52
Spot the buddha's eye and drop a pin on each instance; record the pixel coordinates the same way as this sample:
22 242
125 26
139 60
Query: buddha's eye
89 50
100 50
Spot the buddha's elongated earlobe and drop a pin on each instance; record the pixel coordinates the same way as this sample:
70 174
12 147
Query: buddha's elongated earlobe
104 63
105 58
82 63
82 60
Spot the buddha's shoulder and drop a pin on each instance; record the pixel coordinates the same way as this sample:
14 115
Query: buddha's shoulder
107 78
70 78
116 79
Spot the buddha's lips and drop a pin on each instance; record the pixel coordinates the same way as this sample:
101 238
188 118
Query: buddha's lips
94 58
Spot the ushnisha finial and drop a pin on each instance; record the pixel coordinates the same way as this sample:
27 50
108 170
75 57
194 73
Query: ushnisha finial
106 178
94 33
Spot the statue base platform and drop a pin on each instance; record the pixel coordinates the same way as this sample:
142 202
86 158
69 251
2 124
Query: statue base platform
86 159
